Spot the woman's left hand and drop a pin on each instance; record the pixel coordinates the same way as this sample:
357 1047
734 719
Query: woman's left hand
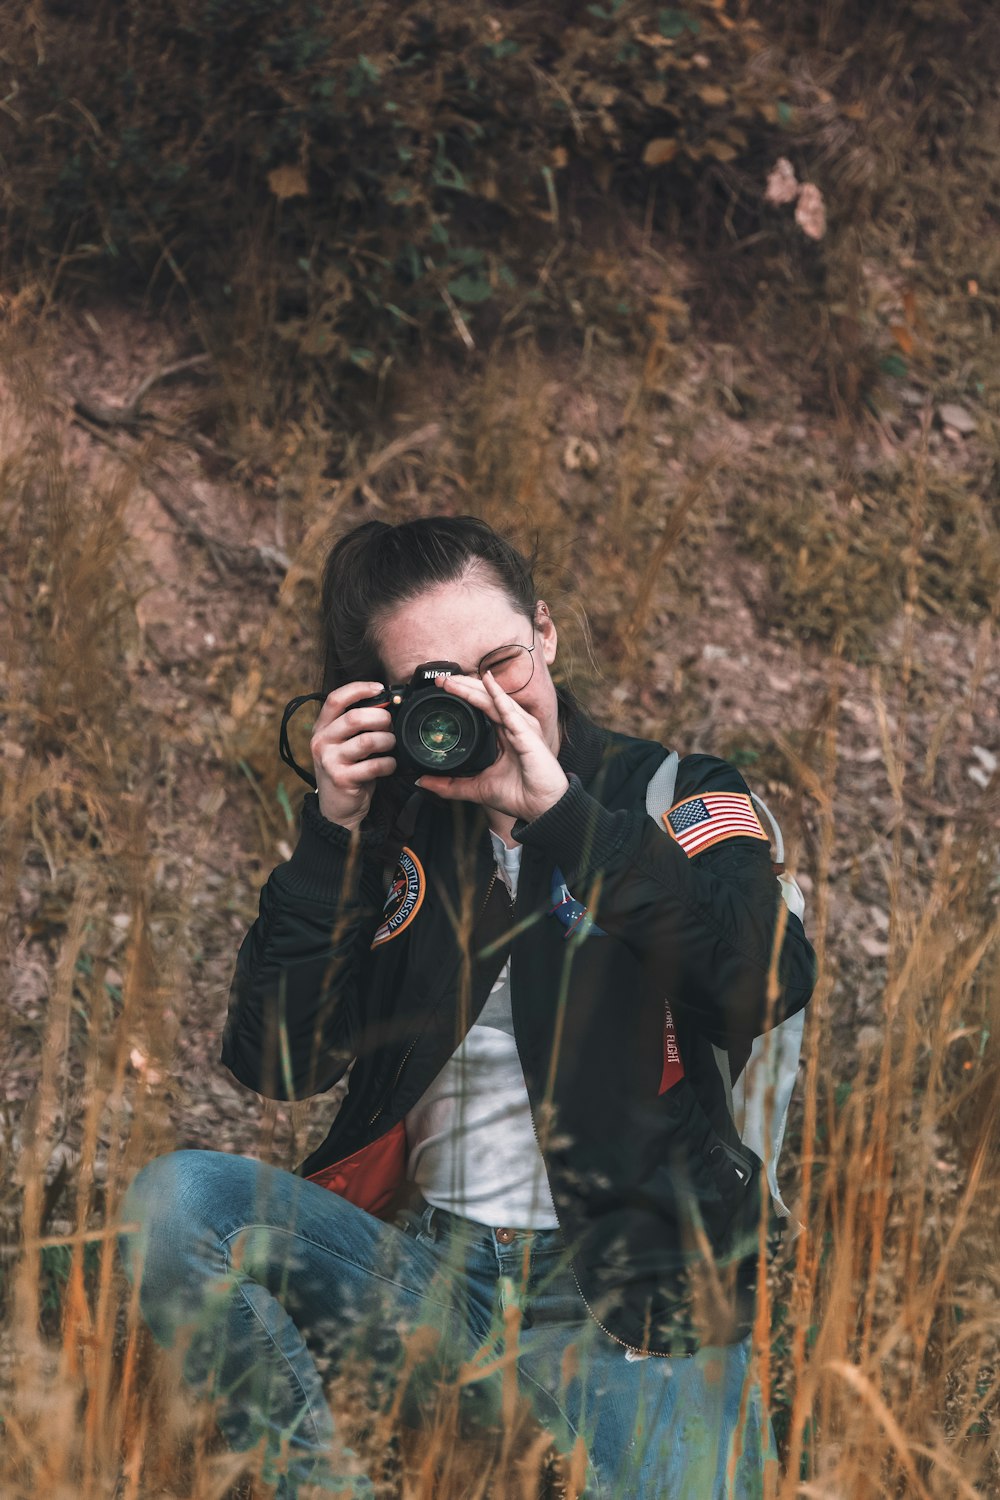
526 779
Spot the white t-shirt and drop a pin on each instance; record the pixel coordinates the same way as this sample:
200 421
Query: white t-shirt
471 1143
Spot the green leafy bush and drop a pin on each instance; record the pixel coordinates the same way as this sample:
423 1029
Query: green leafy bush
333 183
401 167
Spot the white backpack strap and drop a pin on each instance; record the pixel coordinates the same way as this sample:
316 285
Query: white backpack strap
773 1064
660 791
771 1068
790 892
779 843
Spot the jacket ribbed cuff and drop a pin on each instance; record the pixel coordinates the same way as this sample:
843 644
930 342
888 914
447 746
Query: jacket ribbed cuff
579 833
323 853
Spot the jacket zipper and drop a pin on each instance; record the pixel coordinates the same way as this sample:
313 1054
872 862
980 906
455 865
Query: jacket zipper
388 1092
406 1055
534 1129
646 1353
652 1353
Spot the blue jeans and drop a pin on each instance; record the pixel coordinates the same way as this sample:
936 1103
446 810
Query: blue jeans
264 1280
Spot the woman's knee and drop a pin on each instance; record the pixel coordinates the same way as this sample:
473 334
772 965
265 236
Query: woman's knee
168 1210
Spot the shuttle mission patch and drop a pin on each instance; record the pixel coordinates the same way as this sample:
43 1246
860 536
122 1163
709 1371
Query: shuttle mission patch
405 898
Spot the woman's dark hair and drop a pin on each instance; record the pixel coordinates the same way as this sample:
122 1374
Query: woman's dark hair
376 567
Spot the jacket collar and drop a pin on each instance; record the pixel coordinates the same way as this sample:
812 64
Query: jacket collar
583 743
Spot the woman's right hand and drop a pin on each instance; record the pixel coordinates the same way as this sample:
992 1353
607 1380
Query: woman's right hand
351 748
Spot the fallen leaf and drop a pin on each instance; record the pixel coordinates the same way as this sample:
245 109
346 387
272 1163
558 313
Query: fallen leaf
810 212
659 151
245 695
903 337
720 150
782 183
288 182
952 415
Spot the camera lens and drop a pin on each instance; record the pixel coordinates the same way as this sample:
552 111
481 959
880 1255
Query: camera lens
439 731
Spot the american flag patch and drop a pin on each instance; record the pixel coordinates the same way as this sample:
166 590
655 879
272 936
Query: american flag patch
699 822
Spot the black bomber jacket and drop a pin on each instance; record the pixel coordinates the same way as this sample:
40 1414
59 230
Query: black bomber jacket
659 1201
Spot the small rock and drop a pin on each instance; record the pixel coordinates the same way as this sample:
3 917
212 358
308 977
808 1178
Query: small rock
579 454
986 758
950 415
782 183
140 1062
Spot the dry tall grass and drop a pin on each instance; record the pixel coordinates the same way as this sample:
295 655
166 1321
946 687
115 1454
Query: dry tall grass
141 808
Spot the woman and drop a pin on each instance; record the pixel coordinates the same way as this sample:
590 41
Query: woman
534 1160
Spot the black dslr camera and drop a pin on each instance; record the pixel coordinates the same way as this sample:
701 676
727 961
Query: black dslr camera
436 733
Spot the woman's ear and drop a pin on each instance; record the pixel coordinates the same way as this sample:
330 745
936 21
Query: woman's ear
545 625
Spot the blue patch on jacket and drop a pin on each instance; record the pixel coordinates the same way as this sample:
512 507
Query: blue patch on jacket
573 915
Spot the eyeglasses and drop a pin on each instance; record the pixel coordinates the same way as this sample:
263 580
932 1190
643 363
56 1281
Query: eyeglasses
512 666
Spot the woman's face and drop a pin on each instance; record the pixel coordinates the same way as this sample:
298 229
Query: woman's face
462 622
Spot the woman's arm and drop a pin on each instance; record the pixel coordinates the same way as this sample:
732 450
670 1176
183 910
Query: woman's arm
296 998
708 923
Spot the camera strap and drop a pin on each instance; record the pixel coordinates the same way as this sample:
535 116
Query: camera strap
284 744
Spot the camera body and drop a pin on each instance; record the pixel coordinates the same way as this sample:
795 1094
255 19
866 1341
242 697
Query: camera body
436 733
